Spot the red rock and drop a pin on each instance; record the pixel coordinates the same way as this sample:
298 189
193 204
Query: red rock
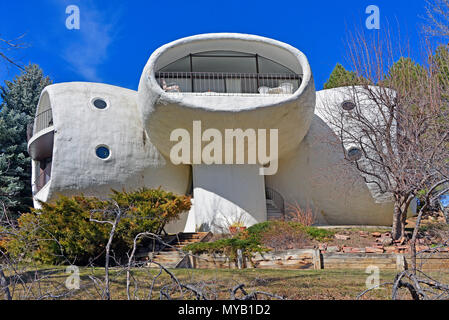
390 249
422 248
374 250
347 249
363 234
333 249
358 250
342 237
376 234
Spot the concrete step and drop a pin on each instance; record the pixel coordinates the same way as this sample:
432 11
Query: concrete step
171 256
273 213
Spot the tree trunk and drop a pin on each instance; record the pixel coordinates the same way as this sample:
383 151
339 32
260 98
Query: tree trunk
398 222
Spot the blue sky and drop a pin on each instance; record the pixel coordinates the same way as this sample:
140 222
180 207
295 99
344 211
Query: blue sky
116 37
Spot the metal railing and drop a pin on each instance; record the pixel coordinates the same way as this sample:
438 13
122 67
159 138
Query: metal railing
43 120
216 83
43 178
276 197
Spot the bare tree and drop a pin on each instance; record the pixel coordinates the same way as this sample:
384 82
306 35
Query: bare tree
117 215
393 125
8 46
437 16
22 276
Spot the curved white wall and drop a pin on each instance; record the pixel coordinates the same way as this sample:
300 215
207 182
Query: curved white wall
164 112
80 128
317 176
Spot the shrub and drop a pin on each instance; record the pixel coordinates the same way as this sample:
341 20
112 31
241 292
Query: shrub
227 247
282 236
278 235
62 231
296 214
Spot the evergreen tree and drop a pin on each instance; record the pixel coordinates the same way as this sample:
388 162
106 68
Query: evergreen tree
404 73
340 77
17 109
441 61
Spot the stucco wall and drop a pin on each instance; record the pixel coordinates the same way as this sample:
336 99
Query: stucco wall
225 193
317 175
163 112
80 128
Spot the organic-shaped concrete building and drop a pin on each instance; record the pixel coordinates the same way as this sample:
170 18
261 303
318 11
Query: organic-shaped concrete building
218 90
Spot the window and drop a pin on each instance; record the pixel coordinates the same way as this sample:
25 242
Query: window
100 103
354 154
103 152
348 105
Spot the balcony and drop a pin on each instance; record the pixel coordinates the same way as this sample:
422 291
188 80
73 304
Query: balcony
227 83
43 120
41 135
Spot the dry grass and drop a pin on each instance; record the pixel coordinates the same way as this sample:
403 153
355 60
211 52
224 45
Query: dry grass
293 284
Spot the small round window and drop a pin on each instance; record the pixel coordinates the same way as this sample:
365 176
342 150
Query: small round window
348 105
103 152
354 154
100 104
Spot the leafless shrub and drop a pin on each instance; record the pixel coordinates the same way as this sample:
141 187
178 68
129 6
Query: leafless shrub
437 16
295 213
22 278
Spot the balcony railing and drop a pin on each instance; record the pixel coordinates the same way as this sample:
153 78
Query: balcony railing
43 178
43 120
216 83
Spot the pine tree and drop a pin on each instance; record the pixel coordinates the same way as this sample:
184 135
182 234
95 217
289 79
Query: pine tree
441 61
340 77
404 73
20 98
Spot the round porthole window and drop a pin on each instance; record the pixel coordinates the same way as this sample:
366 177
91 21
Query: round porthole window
354 154
103 152
99 103
348 105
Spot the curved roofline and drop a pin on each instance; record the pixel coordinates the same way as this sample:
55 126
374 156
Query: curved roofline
149 76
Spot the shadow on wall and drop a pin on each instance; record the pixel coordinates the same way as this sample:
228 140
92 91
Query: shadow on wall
325 181
222 214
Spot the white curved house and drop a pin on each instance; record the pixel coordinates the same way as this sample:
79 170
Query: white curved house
214 89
